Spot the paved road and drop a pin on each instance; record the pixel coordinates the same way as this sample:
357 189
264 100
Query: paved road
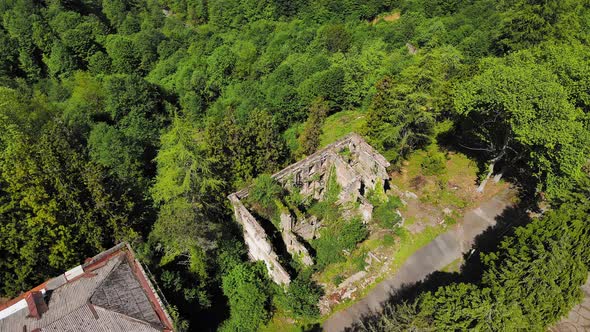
439 253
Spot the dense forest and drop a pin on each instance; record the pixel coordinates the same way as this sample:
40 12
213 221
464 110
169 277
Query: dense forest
133 120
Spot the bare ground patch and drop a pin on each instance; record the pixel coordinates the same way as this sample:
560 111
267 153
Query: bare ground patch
392 17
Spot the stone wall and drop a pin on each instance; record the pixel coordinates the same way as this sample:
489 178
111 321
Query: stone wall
358 168
259 248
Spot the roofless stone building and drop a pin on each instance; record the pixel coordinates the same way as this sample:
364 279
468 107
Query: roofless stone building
358 168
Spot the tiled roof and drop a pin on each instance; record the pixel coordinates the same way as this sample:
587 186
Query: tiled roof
109 293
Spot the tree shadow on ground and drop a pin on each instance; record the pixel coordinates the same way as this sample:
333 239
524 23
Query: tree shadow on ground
489 240
517 173
471 270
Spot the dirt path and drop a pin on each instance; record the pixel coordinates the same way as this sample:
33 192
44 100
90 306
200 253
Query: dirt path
439 253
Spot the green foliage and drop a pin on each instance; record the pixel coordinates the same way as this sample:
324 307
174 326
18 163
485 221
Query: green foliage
434 163
125 58
378 196
302 297
184 190
246 287
248 149
337 280
47 183
333 188
399 318
526 23
385 214
309 139
327 209
507 96
180 324
338 236
265 192
388 240
335 38
396 124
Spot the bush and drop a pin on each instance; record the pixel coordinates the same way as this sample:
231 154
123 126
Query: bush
388 240
327 209
302 297
336 238
265 191
333 188
337 280
434 163
246 287
377 196
386 214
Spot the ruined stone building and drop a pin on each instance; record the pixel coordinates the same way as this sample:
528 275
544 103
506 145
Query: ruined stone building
110 292
358 168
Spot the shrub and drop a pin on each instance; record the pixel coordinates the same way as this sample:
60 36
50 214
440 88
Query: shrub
265 191
388 240
337 280
246 287
434 163
386 215
359 261
336 238
325 211
377 196
302 297
333 189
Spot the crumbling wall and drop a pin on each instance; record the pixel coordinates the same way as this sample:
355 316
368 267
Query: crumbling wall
294 247
259 248
358 168
369 164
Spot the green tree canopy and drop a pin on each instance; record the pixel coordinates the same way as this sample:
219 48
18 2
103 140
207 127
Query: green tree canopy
517 110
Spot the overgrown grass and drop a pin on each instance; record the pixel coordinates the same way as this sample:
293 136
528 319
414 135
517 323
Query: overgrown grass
430 172
336 238
408 244
280 323
341 124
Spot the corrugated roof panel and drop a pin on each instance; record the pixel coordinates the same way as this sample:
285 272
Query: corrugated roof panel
110 277
82 320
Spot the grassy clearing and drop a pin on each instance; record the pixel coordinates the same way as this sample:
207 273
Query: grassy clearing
391 17
451 186
280 322
340 124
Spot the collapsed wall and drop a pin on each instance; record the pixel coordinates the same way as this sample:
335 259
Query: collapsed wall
259 248
358 168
